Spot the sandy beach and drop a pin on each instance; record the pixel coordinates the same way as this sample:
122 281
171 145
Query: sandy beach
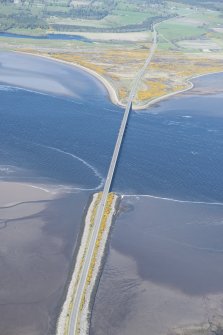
52 76
190 86
112 92
59 81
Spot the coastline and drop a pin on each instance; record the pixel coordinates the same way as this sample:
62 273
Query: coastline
111 90
166 96
65 314
91 288
176 92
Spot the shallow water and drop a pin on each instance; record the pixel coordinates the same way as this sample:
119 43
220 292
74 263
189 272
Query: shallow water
47 37
63 138
164 268
37 251
174 149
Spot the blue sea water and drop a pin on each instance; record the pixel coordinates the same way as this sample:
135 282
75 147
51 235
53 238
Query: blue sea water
172 150
57 139
48 37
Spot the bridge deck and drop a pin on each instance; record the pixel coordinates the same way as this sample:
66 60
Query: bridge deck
107 186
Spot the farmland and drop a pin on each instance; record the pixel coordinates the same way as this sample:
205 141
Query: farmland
119 38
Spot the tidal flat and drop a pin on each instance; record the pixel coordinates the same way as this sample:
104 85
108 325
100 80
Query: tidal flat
47 76
163 273
45 185
62 141
39 232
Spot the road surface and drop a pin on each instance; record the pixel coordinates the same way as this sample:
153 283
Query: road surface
73 325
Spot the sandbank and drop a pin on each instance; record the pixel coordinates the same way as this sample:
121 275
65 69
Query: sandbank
13 193
112 92
48 78
110 89
21 200
39 229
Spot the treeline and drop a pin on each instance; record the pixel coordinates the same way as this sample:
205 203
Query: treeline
148 2
20 17
213 4
24 16
145 25
29 23
90 11
22 20
80 12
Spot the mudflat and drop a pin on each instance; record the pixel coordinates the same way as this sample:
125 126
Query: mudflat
163 274
38 232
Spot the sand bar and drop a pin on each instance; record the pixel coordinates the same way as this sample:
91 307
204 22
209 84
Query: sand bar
39 232
45 74
48 77
12 193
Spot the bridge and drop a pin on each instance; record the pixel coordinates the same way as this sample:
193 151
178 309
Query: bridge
101 208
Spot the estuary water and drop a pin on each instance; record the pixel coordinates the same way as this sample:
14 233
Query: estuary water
163 272
172 150
57 132
47 37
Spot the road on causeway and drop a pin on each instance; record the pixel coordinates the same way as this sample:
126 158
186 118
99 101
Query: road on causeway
73 324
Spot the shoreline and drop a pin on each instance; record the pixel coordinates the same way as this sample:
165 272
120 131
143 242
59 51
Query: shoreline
66 308
168 95
61 305
111 90
65 314
115 211
170 199
108 86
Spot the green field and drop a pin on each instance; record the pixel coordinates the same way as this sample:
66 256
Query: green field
109 15
183 21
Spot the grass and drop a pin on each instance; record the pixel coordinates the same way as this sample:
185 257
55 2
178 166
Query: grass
7 9
120 15
126 17
176 58
28 32
78 60
170 71
178 31
117 18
